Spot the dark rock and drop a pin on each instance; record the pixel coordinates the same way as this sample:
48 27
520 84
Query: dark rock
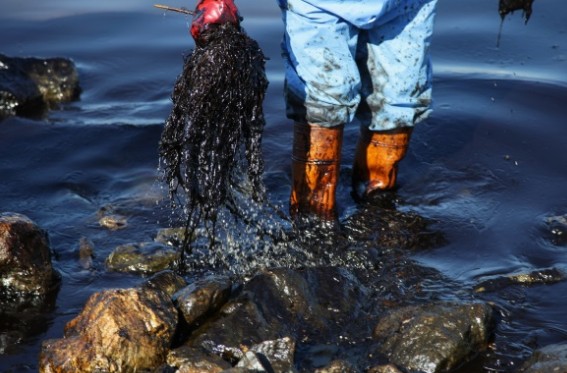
26 273
384 369
203 297
311 305
190 360
434 337
278 354
30 86
268 356
124 330
253 362
337 366
552 358
165 281
28 282
146 257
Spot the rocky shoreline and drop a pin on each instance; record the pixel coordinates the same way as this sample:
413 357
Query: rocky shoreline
324 318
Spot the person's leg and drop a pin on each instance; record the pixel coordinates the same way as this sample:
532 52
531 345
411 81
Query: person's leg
321 89
315 170
396 94
376 159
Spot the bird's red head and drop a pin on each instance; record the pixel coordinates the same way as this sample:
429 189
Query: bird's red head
213 12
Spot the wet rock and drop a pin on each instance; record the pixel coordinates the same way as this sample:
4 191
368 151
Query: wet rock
165 281
145 258
252 361
552 358
384 369
310 305
190 360
269 356
203 297
539 277
27 276
124 330
30 86
278 355
434 337
337 366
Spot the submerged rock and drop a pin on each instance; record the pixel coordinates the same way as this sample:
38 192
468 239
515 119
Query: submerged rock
538 277
552 358
108 218
435 337
30 86
124 330
27 276
86 253
145 257
113 222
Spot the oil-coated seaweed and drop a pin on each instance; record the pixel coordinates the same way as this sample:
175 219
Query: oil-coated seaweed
214 132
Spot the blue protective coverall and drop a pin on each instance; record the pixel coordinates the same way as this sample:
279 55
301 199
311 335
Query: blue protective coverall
358 60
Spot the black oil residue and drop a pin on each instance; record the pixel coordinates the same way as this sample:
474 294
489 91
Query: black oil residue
506 7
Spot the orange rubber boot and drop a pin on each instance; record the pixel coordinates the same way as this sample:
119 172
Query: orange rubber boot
376 159
315 169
